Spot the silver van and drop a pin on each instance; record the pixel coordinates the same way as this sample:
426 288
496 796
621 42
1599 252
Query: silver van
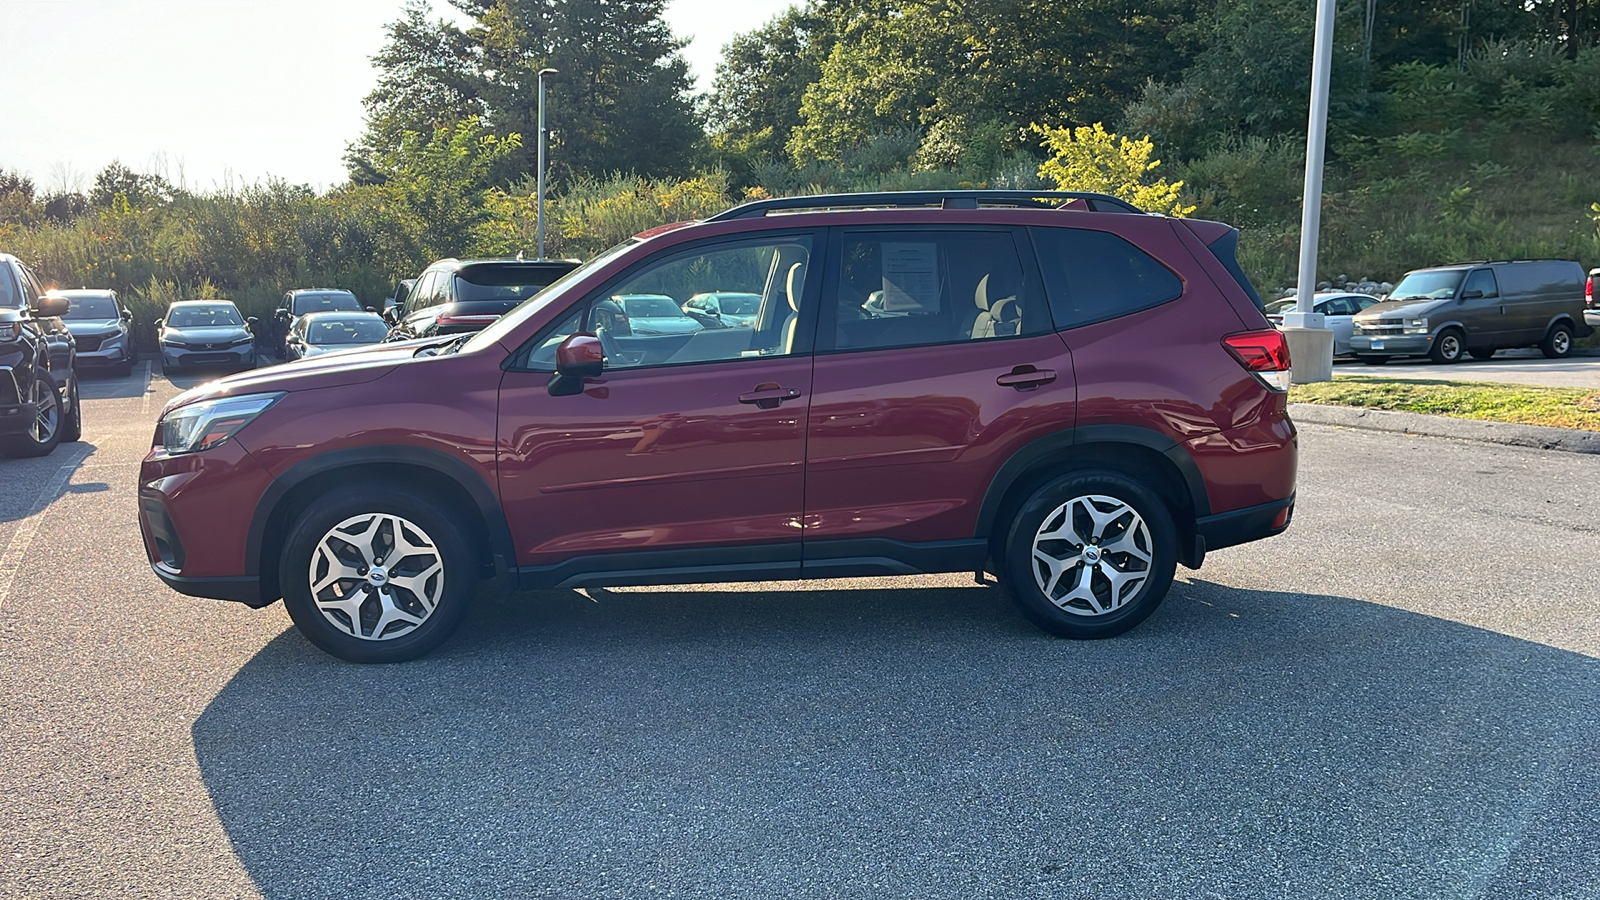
1475 309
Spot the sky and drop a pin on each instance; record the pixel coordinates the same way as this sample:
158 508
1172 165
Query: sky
217 92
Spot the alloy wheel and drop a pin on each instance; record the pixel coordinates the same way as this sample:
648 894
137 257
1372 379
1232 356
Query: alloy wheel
376 576
1092 554
48 416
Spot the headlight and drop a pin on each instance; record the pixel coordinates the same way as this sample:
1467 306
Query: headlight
1416 326
203 425
180 345
242 341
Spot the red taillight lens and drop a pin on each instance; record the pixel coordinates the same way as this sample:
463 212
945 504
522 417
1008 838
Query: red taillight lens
1588 287
1264 354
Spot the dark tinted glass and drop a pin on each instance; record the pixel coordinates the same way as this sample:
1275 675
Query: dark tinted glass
1092 276
203 317
932 287
9 297
514 283
329 302
346 331
1482 280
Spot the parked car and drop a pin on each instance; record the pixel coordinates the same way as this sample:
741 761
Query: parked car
655 314
314 334
455 296
1339 308
102 329
1474 309
303 301
724 310
38 385
1078 400
205 333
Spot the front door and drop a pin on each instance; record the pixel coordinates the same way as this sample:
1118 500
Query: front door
1482 312
687 453
936 359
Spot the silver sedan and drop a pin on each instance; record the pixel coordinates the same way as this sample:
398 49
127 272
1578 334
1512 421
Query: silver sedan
1340 307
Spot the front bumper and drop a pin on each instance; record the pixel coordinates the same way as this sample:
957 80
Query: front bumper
194 518
103 359
176 357
1391 344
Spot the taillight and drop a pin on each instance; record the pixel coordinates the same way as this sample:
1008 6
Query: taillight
1265 354
1588 289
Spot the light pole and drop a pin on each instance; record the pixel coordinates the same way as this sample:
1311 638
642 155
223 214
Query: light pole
542 132
1310 342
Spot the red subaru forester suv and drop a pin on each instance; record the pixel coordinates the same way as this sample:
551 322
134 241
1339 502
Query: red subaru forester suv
1052 387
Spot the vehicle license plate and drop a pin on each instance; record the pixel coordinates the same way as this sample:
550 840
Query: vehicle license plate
1377 345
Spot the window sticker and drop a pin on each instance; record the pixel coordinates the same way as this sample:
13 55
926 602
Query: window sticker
911 277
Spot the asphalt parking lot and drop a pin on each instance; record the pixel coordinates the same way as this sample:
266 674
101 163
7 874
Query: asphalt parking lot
1398 697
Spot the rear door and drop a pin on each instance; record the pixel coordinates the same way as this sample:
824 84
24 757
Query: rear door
936 360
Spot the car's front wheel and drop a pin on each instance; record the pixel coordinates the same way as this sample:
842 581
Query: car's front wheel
44 430
1449 346
1091 554
376 573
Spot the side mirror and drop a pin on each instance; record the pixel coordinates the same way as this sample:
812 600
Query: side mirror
1471 295
252 321
159 322
392 315
127 315
579 356
281 315
50 307
371 309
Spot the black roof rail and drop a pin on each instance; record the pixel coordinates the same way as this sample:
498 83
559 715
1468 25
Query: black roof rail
943 199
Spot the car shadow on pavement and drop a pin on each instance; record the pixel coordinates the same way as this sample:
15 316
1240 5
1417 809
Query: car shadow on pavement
918 742
29 485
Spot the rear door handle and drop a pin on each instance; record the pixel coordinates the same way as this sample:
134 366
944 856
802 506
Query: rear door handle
768 396
1026 378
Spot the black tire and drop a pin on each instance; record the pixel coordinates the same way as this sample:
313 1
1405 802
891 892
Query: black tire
1480 353
27 444
72 422
1448 347
1067 496
1557 344
1373 360
435 521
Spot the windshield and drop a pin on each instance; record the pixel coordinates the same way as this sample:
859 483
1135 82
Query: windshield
203 317
512 282
90 308
1434 285
739 304
8 291
555 293
347 331
651 307
333 301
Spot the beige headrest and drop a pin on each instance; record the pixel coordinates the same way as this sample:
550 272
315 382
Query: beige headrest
796 283
980 297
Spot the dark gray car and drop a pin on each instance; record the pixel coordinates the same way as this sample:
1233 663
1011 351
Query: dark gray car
205 333
1475 309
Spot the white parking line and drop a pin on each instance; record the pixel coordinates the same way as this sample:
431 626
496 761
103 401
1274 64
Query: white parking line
144 405
22 538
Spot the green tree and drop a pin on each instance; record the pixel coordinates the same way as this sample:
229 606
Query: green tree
1089 158
761 80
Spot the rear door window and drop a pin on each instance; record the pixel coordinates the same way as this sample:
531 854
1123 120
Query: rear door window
1092 276
911 288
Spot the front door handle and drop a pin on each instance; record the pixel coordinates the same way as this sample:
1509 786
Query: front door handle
768 396
1026 378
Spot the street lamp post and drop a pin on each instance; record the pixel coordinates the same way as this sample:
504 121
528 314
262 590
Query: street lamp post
1310 342
542 133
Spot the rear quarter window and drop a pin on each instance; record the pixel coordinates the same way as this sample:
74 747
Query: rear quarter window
1092 276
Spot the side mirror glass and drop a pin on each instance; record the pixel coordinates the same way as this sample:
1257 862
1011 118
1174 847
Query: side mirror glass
50 307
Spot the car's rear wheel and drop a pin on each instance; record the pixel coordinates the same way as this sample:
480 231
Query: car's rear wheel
376 573
1091 554
1557 344
72 418
44 431
1449 346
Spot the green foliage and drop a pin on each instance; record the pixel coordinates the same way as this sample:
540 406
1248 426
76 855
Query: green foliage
1093 159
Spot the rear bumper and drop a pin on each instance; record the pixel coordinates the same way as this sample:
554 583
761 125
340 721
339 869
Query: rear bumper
1241 526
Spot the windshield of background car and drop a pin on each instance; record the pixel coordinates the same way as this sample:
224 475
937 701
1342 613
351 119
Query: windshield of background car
511 283
347 331
739 304
1279 307
204 317
8 290
651 307
90 308
329 302
1427 286
555 293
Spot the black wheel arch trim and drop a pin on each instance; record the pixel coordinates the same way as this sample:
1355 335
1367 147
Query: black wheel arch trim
1031 455
483 496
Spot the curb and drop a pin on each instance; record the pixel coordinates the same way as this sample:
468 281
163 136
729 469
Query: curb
1539 437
